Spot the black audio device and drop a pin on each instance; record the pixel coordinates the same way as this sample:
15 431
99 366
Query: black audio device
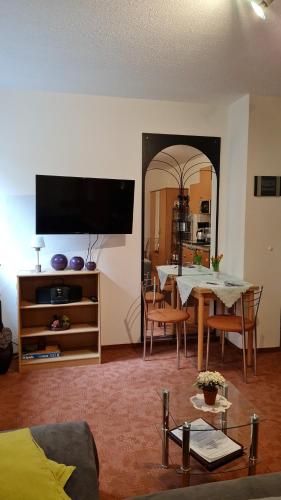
58 294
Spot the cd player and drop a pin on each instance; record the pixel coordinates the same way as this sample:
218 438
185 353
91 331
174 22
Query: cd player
58 294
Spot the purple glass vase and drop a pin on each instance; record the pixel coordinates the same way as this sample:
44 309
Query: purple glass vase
91 265
76 263
59 262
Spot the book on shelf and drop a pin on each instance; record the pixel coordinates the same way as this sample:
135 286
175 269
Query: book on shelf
210 446
51 351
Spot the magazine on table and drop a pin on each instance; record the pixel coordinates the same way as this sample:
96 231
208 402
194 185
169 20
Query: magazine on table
209 445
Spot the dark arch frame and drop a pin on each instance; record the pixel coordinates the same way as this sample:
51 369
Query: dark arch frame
154 143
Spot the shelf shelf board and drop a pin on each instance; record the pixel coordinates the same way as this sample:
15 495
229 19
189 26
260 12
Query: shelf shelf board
52 273
40 331
31 305
64 356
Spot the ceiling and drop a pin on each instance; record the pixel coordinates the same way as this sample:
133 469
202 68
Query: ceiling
180 50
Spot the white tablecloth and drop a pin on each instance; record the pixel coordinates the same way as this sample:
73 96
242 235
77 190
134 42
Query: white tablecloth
227 288
172 270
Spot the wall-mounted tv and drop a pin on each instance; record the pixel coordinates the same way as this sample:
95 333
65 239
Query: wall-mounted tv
78 205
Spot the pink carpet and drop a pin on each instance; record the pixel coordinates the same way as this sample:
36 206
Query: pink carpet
119 401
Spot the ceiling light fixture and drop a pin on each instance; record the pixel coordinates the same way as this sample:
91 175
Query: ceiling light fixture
260 7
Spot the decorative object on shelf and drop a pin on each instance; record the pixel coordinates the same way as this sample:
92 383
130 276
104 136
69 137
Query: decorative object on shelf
59 323
76 263
91 265
209 382
59 262
37 242
215 261
220 406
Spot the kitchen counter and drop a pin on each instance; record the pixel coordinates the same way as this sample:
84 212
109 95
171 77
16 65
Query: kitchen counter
197 246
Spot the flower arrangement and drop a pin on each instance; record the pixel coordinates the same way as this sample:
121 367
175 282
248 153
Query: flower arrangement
210 381
215 261
197 258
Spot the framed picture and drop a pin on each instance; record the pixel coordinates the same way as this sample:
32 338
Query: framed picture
266 185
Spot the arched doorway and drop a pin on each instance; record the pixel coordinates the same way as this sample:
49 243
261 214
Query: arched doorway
154 144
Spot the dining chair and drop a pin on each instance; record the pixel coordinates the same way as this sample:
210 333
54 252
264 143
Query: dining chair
153 295
163 316
241 324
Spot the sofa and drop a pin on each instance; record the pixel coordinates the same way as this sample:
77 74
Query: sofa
72 443
265 486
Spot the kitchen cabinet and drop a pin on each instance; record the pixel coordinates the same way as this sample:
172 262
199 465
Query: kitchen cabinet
200 191
189 253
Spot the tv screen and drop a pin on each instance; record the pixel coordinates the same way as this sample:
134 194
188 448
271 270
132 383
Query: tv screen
77 205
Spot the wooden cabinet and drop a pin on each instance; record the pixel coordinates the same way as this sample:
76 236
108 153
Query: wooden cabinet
200 191
78 345
187 255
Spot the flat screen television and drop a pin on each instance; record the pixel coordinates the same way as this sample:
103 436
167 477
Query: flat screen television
78 205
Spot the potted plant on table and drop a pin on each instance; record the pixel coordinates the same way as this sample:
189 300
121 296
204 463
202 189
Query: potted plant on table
215 261
209 382
197 258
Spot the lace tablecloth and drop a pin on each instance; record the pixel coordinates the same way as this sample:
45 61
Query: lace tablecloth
227 288
172 270
221 405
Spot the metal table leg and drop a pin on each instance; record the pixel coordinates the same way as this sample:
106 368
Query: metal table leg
255 421
185 468
165 428
224 414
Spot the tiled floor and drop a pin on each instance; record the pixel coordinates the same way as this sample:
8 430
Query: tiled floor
119 401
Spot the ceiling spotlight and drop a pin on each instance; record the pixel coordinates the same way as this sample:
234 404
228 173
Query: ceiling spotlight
260 7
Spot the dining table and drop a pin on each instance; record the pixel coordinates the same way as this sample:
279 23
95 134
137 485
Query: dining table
204 285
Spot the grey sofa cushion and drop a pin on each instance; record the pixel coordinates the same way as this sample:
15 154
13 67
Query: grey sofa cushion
72 443
245 488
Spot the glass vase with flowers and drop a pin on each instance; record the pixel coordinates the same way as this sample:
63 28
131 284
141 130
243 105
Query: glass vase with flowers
215 261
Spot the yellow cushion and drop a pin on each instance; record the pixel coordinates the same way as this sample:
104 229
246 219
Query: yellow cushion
26 473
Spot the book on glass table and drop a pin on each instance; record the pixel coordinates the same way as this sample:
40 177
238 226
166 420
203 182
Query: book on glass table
210 446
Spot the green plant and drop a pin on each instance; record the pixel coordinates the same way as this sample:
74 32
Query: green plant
197 258
215 261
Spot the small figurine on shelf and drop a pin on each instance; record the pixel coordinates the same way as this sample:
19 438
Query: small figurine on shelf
59 323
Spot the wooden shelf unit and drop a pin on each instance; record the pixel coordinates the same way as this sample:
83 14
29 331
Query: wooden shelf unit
81 343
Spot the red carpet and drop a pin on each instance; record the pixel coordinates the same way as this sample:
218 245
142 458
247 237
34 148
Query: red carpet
119 401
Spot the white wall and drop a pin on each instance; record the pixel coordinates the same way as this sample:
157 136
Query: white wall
233 189
65 134
263 215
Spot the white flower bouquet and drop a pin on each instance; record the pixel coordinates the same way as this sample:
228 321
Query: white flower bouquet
209 380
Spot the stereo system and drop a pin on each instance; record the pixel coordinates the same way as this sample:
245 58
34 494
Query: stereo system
58 294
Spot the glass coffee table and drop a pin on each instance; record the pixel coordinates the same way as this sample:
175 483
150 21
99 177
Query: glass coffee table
218 441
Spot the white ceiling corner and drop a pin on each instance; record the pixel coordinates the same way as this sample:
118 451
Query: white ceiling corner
179 50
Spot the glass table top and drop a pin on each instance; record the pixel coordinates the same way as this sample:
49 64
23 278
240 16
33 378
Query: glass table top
182 410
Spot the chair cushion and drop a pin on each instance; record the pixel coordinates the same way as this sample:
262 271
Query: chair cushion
26 473
168 315
229 323
151 297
